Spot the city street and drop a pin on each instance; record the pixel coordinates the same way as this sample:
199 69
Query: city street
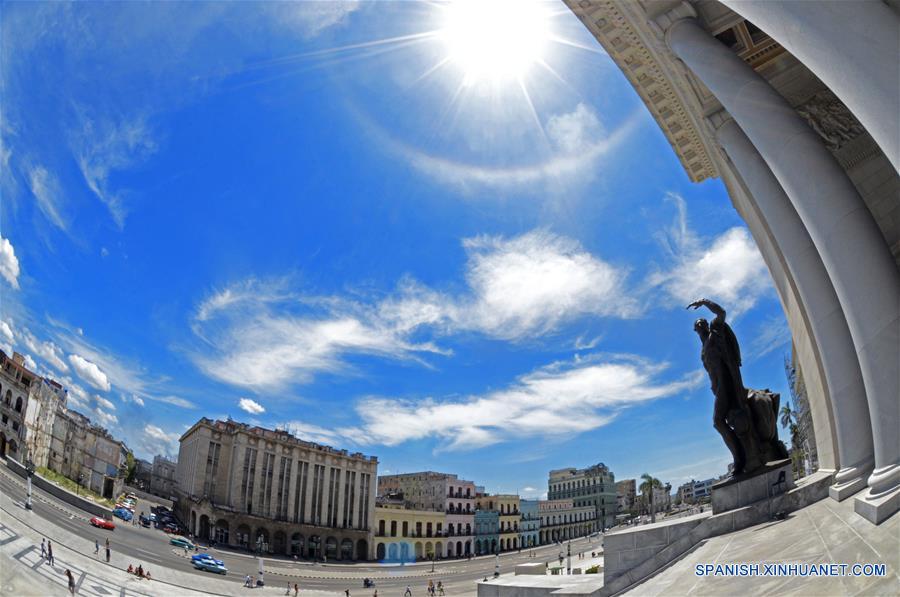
151 549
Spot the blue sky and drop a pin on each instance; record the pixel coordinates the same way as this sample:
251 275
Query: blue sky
373 224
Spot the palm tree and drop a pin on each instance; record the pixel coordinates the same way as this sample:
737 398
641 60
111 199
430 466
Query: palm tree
787 415
650 483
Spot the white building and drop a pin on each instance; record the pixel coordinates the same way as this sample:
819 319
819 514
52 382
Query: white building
794 107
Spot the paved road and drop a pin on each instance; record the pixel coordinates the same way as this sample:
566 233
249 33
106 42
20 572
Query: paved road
150 547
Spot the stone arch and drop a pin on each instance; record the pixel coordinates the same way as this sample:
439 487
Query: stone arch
313 546
8 398
405 554
380 552
297 544
362 550
478 547
19 404
204 533
394 552
429 550
331 548
419 550
459 548
346 552
450 551
193 527
279 542
439 549
468 547
515 542
493 546
261 539
2 446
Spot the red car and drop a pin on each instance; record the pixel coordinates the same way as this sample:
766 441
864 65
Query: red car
103 523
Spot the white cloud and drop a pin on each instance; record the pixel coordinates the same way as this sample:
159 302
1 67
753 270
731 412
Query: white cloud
772 334
104 403
156 441
77 396
533 283
48 351
6 332
728 269
263 336
9 263
104 418
89 372
134 398
46 190
314 433
29 363
557 401
102 146
311 18
576 131
251 406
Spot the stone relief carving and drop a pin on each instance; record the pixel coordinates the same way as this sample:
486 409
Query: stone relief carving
831 119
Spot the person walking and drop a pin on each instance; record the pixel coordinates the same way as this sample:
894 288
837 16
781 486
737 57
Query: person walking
408 592
296 590
43 550
71 581
96 547
107 549
50 552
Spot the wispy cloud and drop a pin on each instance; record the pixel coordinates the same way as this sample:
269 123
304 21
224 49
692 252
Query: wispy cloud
559 400
102 146
772 334
154 440
728 268
48 351
47 192
261 335
312 18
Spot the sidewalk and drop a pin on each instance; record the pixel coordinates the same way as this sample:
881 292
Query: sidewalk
23 572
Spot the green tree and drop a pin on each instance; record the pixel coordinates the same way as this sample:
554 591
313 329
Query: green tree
650 483
130 467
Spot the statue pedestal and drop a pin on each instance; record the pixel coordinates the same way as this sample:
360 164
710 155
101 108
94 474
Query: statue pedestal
757 486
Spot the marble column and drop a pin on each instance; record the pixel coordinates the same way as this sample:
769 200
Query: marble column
852 248
851 46
829 327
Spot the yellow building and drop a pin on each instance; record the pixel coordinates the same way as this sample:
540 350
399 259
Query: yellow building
403 535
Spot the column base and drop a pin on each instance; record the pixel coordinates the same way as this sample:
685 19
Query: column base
841 491
877 509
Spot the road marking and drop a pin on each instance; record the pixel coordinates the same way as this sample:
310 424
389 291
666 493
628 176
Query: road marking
80 580
24 552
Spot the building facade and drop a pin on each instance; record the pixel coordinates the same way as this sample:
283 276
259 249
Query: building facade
562 520
625 495
804 134
529 523
270 492
47 398
87 454
594 486
162 476
406 535
439 492
487 532
16 386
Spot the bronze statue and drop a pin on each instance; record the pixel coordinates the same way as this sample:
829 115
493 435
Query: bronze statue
746 419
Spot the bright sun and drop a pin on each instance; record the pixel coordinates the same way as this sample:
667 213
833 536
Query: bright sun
492 40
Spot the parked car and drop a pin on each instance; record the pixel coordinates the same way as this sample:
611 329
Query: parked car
211 565
171 528
145 521
123 514
181 542
102 523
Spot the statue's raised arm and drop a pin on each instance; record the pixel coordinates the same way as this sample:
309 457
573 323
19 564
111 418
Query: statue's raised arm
715 308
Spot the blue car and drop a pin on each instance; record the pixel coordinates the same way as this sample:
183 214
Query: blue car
123 514
207 557
211 565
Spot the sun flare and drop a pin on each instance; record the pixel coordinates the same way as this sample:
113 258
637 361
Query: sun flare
493 40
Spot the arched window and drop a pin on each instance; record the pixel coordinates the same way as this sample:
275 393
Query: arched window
19 404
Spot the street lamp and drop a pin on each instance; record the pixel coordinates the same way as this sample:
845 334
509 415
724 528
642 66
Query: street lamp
80 481
29 469
569 557
496 565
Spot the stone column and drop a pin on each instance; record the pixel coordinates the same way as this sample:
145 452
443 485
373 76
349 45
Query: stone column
851 46
849 242
829 327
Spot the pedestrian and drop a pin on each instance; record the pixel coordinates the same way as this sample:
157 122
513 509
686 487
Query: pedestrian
96 547
440 588
287 591
408 592
107 550
43 550
347 592
247 581
296 589
375 594
50 552
71 581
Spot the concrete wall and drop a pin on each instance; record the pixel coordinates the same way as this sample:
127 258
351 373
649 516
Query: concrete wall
58 492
